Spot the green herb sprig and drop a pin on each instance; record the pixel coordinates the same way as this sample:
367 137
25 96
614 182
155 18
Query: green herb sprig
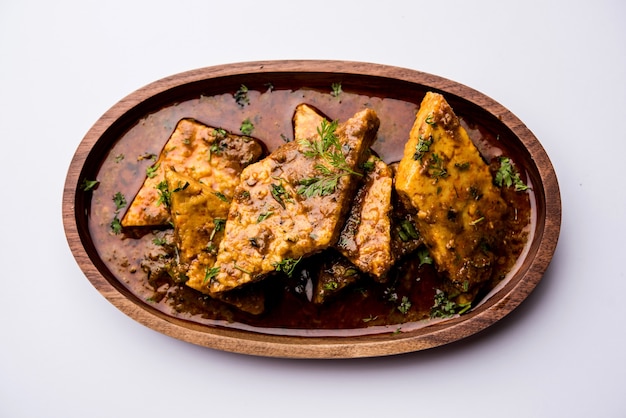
405 305
287 265
120 202
424 256
436 167
263 216
210 273
241 96
333 166
336 90
407 231
280 194
445 308
508 176
422 147
165 196
87 185
152 170
218 225
246 127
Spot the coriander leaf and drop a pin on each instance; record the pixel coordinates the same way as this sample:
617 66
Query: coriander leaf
409 230
220 134
116 225
335 90
152 170
445 308
280 194
331 286
210 273
424 256
88 185
264 216
287 265
436 167
164 194
221 197
159 241
422 147
368 165
218 225
507 176
119 200
318 186
246 127
241 96
370 318
334 165
405 305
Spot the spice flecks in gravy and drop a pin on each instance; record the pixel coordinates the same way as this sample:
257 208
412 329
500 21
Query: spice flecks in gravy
135 256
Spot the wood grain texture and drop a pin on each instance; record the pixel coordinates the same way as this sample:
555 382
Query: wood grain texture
395 82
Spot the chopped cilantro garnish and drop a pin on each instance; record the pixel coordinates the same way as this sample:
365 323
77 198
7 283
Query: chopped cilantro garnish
405 305
422 147
264 216
241 96
424 256
164 194
88 185
152 170
333 165
221 197
508 176
287 265
280 194
445 308
116 225
210 273
246 127
218 225
335 90
119 200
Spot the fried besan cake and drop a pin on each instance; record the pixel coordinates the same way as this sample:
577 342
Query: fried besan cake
209 155
293 203
198 215
365 239
458 210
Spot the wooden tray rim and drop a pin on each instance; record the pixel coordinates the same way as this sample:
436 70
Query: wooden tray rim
320 347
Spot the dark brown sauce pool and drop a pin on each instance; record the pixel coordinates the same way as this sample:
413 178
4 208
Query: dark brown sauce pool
365 308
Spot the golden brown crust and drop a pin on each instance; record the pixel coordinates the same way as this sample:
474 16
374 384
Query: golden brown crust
270 221
366 237
458 210
206 154
198 215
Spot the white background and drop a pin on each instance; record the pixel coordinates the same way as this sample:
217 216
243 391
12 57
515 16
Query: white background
559 66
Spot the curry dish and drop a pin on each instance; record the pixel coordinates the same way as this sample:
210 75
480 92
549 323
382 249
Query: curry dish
331 228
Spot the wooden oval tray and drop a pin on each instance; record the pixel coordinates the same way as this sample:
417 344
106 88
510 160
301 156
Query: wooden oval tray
371 80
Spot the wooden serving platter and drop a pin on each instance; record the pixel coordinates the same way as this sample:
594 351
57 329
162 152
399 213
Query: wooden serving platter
390 89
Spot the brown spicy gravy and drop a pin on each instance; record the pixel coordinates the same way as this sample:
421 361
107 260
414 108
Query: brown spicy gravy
366 307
